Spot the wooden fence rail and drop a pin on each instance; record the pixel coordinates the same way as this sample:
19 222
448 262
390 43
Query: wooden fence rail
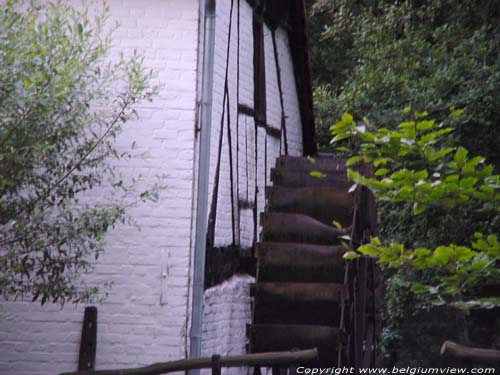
258 359
466 352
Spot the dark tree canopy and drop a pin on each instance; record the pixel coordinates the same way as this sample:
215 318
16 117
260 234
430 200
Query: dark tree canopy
373 59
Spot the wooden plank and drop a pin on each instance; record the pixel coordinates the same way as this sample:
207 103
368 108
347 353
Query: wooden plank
297 303
88 341
276 337
301 178
322 203
360 315
332 164
369 355
288 262
300 228
303 292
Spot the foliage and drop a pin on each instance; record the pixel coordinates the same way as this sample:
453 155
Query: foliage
426 54
376 57
415 164
61 107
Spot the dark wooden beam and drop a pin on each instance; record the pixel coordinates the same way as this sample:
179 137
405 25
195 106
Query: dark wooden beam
246 110
297 36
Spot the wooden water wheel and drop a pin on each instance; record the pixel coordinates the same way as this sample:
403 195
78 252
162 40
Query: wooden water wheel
305 294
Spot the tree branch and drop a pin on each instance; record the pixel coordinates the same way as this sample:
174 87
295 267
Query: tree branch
466 352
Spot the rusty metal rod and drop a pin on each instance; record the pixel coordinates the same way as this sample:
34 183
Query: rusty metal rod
258 359
467 352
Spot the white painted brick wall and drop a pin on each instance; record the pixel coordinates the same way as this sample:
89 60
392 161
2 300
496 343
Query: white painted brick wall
133 328
226 313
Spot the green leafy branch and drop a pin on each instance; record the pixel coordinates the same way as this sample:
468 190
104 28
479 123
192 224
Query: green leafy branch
416 164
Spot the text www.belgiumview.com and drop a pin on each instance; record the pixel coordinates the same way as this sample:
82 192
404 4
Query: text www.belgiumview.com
394 370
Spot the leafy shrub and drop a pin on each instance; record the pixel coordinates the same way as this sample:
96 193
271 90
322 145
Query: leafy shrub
61 107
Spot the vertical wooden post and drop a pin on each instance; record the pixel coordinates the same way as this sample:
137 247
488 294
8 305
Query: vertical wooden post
216 367
88 342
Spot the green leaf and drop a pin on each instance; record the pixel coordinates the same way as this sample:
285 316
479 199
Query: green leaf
420 288
350 255
407 125
311 159
456 112
452 178
424 125
418 208
468 182
342 149
381 172
347 118
380 161
340 137
398 175
353 175
369 250
352 160
422 252
337 224
317 174
421 114
421 175
460 155
442 255
443 152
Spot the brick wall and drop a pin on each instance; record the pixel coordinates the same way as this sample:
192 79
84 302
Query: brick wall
225 315
134 328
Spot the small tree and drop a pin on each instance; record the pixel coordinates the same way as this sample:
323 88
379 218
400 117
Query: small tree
416 164
61 107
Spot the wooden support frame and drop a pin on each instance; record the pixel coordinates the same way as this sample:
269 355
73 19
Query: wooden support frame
364 280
